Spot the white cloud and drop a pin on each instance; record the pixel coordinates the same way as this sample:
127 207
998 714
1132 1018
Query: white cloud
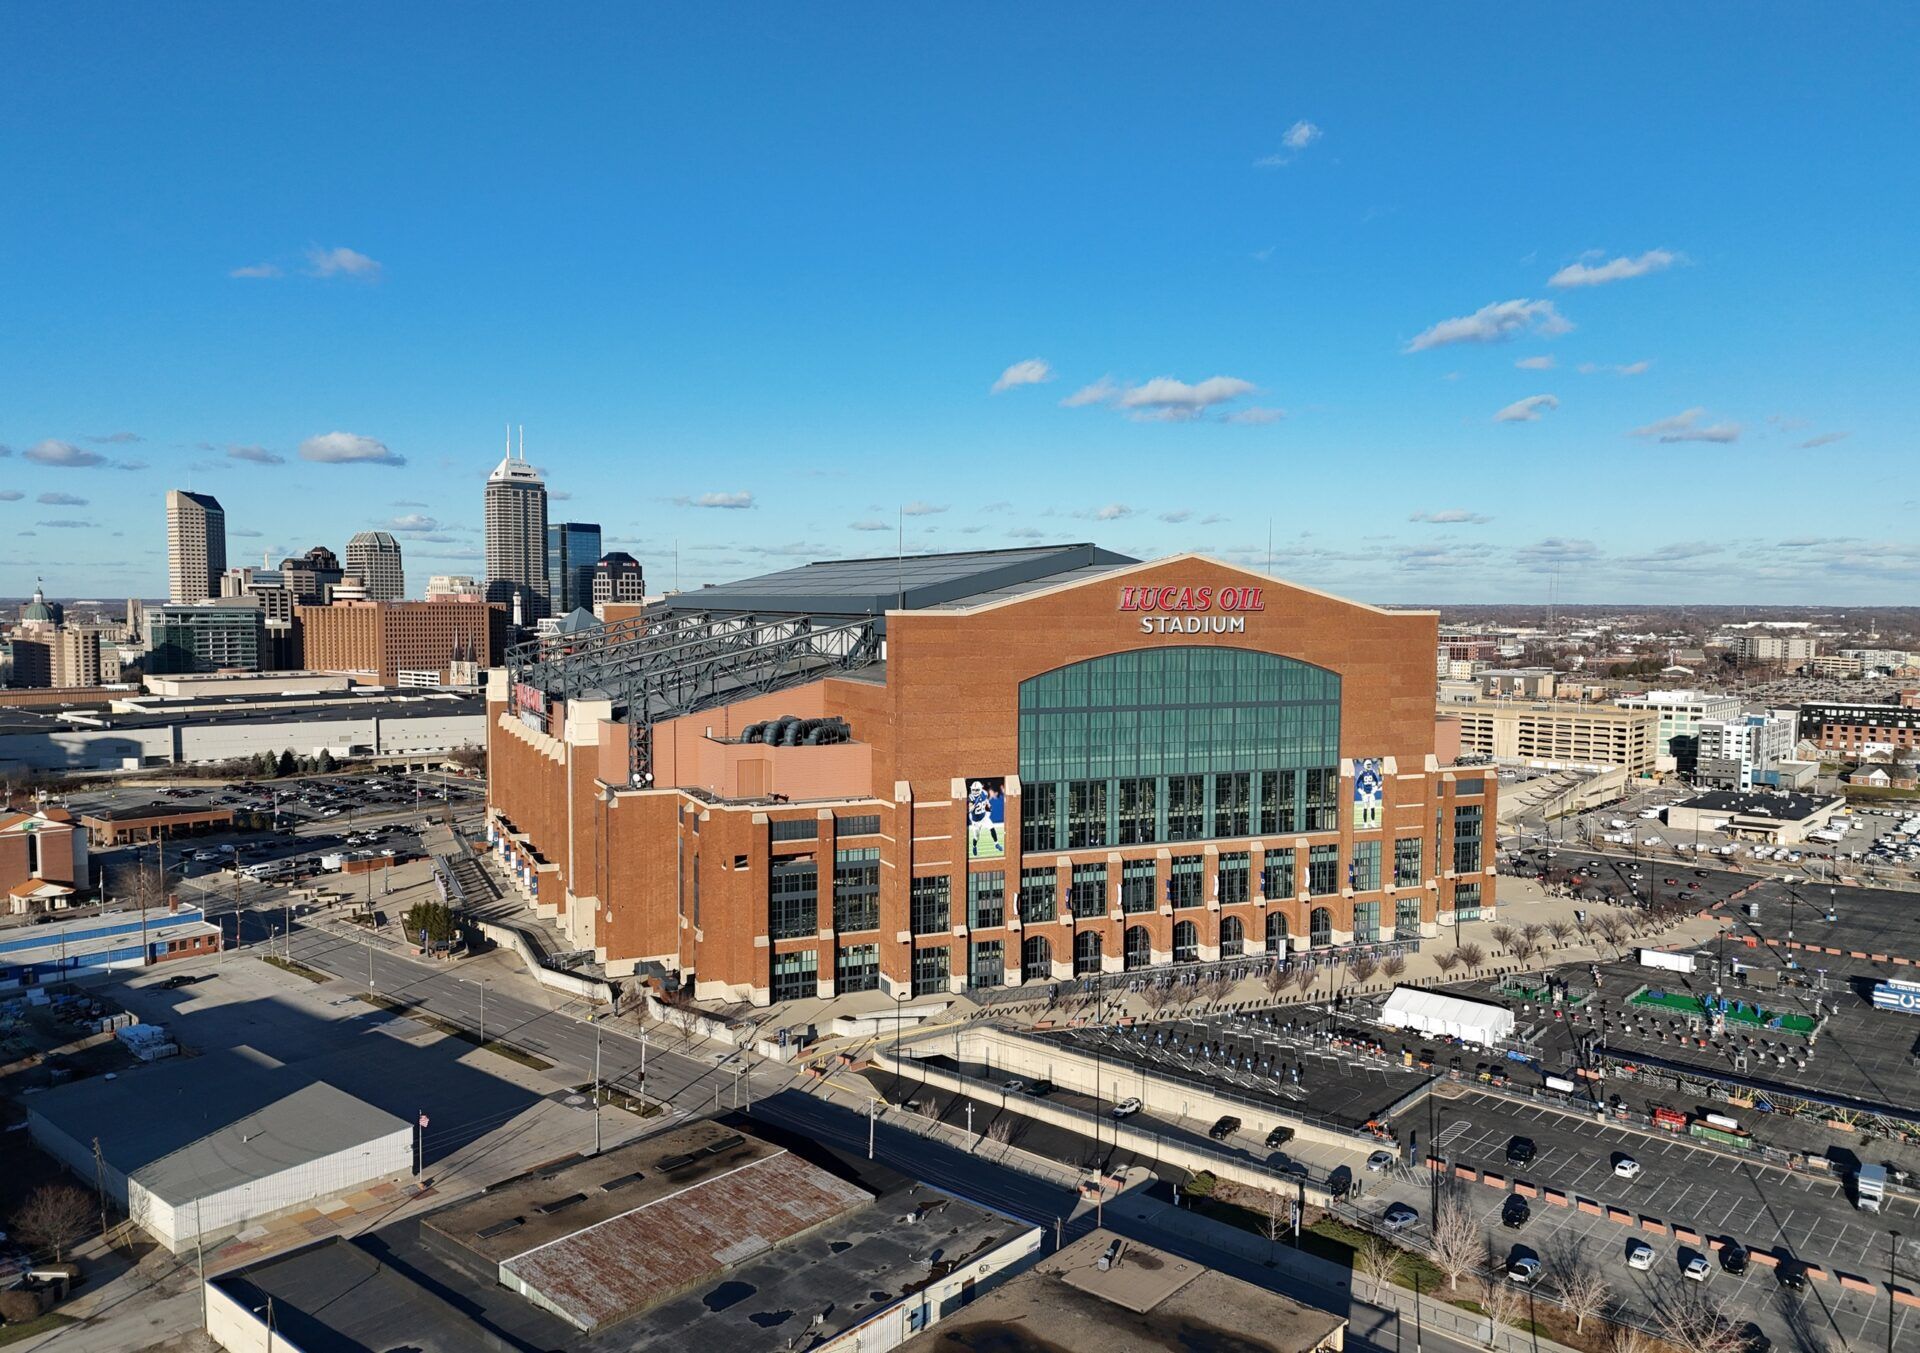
1165 399
68 524
117 439
1615 270
1112 512
11 495
1824 439
1535 363
341 448
256 455
341 262
1025 533
1452 516
1177 516
1033 371
1639 368
412 522
254 270
1527 410
1493 324
729 501
65 454
870 524
1554 552
61 500
1685 427
1100 392
919 509
1255 417
1294 140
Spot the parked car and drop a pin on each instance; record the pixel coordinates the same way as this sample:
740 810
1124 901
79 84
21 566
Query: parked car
1514 1212
1791 1274
1640 1255
178 980
1013 1087
1224 1129
1279 1137
1524 1271
1696 1269
1521 1150
1380 1160
1626 1167
1126 1108
1733 1257
1399 1217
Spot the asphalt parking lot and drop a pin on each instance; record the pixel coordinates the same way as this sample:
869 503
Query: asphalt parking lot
1681 1185
1283 1058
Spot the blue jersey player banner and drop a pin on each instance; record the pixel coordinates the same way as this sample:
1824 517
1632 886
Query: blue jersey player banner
986 819
1368 793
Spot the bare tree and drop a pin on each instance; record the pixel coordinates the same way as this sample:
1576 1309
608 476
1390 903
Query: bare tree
1502 935
1456 1241
1000 1130
1531 933
1275 980
1584 1289
1157 997
1560 930
1377 1259
1363 967
1628 1339
1690 1319
1504 1302
143 883
1395 965
1304 978
1472 955
1447 960
53 1217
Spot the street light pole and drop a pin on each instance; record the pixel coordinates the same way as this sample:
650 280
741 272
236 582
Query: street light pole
596 1087
1893 1250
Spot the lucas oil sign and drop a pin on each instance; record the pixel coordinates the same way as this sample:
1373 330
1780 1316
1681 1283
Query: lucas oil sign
1193 610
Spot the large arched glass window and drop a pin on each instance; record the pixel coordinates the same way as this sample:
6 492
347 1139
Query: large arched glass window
1233 937
1138 949
1086 953
1320 928
1276 934
1179 743
1186 942
1036 959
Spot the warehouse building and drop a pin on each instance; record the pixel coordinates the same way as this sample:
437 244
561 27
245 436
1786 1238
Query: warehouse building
972 770
218 1143
80 946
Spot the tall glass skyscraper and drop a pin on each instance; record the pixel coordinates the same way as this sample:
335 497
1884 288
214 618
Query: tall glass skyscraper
573 548
517 540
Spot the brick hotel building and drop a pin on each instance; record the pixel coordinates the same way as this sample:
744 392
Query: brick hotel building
975 769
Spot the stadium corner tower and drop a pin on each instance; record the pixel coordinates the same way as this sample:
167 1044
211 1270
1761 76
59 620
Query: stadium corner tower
963 771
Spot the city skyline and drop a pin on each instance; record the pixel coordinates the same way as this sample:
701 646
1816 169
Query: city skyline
1312 290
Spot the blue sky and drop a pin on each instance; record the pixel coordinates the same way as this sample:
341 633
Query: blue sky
1242 272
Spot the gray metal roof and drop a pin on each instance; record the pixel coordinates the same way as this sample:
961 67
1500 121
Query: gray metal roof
195 1127
863 587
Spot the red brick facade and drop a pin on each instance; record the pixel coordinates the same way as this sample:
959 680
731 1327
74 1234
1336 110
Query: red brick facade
679 874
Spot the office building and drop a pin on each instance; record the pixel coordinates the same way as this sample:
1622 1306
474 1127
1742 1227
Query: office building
573 547
516 502
1558 735
1747 752
225 635
43 860
1777 819
311 576
618 580
1784 649
1681 712
1519 683
454 587
374 557
983 769
399 643
77 657
1882 659
1862 728
196 546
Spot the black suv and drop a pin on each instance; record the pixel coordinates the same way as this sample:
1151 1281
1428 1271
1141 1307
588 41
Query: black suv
1791 1274
1280 1136
1224 1129
1520 1150
1514 1212
1733 1258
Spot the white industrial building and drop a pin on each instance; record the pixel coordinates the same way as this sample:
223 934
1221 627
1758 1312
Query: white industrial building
137 734
1681 712
203 1148
1433 1012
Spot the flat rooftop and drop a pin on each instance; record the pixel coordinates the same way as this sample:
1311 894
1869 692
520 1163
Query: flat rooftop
1784 807
1146 1302
871 587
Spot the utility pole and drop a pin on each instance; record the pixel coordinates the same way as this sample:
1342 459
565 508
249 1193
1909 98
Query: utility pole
873 1114
100 1186
596 1084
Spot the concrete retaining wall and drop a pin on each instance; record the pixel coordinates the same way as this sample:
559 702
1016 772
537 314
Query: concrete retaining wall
507 937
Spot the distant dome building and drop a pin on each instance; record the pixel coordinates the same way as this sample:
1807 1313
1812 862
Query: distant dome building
39 613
